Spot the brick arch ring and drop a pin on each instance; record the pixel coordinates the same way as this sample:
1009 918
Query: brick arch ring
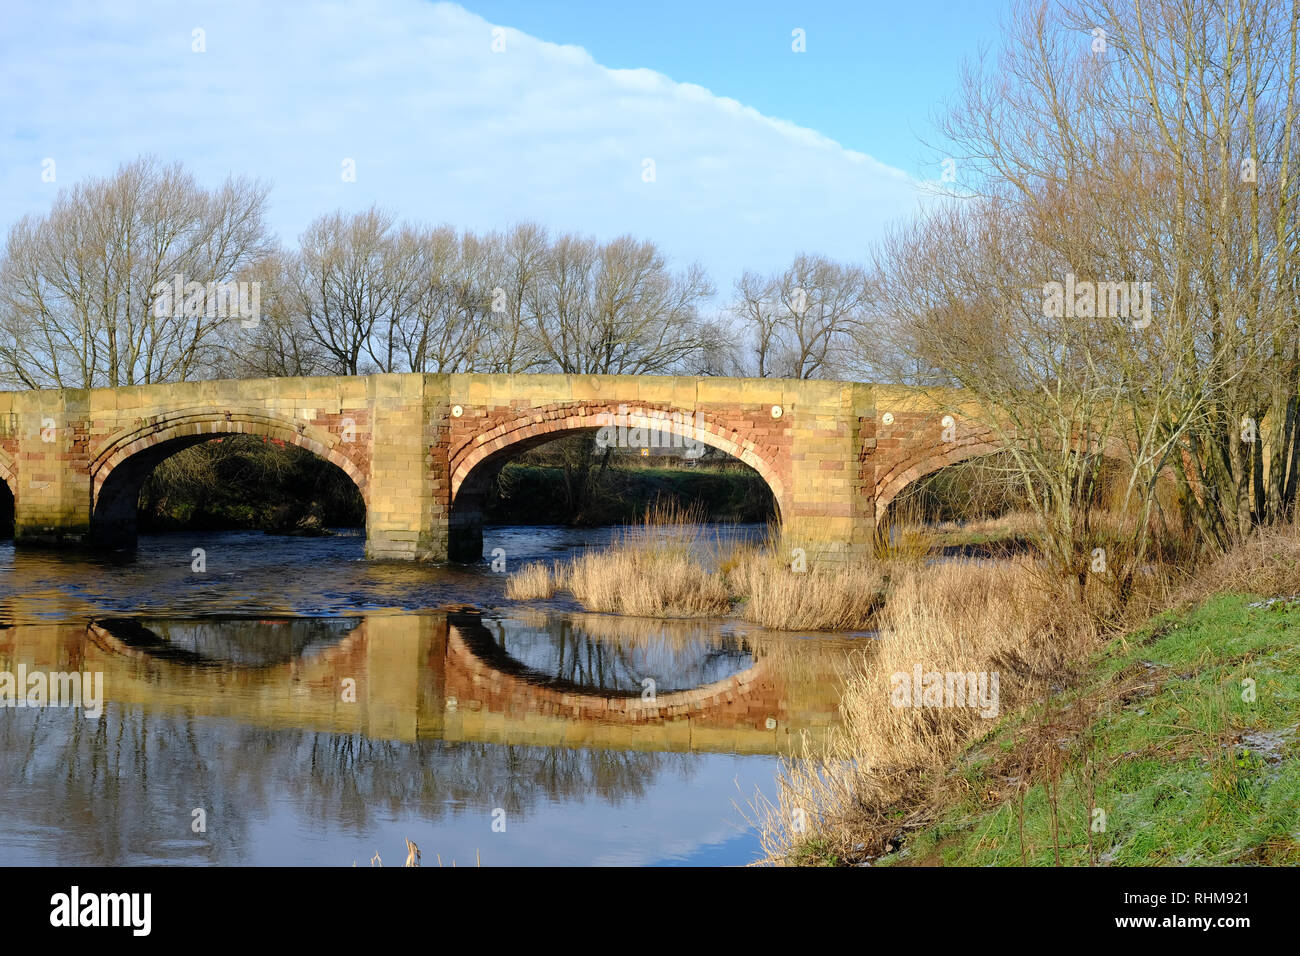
523 428
193 423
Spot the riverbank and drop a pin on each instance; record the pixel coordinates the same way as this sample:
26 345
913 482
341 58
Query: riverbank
1169 741
1178 749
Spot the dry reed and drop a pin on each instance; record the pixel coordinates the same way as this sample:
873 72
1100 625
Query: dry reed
951 618
821 598
536 581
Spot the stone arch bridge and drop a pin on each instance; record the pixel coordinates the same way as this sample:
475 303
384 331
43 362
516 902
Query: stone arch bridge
423 449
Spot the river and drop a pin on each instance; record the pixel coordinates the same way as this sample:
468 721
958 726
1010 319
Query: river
280 700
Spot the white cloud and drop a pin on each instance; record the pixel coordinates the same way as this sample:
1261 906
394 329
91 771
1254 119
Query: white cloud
442 129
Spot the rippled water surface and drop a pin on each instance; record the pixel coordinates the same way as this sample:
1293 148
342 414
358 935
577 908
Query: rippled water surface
318 708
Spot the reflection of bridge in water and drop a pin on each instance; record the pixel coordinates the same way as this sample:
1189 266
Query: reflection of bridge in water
447 676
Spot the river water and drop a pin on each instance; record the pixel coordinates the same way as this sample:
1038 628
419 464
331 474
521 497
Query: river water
290 703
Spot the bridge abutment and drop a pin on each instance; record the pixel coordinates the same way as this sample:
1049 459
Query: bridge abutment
47 440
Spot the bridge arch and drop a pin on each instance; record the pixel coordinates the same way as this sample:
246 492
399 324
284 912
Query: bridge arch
923 458
125 460
926 461
474 464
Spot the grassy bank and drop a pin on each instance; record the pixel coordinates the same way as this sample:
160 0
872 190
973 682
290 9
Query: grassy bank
1160 731
1166 740
1179 747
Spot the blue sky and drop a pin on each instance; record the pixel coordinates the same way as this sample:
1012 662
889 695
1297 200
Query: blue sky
872 76
758 153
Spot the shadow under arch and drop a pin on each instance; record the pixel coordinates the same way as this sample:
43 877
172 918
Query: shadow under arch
7 502
970 445
7 495
475 466
122 465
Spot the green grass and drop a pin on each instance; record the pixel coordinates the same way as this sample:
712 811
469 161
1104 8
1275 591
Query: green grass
814 853
1162 738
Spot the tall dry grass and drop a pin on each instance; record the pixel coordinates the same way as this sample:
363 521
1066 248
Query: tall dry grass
903 537
884 769
536 581
1022 523
1267 563
656 569
954 617
668 566
822 598
646 583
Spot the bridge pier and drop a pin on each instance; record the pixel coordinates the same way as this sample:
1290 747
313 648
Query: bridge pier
407 508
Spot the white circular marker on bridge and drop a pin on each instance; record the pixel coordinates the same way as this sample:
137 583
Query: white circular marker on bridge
887 418
457 411
777 411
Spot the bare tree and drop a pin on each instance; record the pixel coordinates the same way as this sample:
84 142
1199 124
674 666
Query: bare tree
755 306
1132 161
615 308
353 276
88 292
446 325
517 261
278 343
805 321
